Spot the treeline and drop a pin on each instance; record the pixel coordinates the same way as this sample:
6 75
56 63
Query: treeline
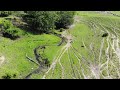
45 21
7 13
37 21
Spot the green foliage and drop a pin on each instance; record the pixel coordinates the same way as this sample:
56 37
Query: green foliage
9 30
42 21
15 52
7 24
6 76
5 13
47 62
18 13
45 21
61 29
12 32
66 18
10 74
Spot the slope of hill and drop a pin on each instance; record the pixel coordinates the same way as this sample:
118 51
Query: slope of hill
90 50
94 51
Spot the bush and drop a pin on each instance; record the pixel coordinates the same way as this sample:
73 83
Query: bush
7 76
47 62
66 18
5 13
18 13
12 33
42 21
7 24
61 29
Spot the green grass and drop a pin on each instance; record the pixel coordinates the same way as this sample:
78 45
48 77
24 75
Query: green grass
15 51
77 61
86 31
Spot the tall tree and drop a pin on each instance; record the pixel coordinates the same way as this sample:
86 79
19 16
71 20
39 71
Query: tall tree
42 21
66 18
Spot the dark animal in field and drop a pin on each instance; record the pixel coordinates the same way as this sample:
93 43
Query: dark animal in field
82 46
105 35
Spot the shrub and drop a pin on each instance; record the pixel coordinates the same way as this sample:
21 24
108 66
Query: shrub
7 24
5 13
9 30
12 33
61 29
7 76
46 62
18 13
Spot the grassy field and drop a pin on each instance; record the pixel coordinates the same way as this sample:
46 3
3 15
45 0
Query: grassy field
15 53
89 55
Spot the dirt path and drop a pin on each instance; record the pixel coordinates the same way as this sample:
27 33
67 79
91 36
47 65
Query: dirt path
107 55
2 59
68 39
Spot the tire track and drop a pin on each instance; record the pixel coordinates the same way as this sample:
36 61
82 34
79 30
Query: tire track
2 59
62 52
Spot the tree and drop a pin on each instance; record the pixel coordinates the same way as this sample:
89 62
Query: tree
45 21
66 18
42 21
